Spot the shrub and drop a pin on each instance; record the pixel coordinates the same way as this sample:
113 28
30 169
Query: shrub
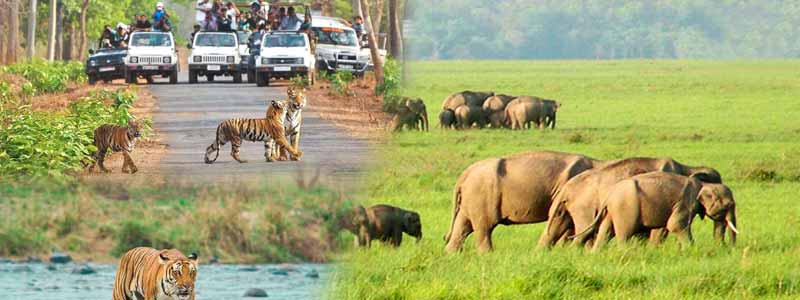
340 81
392 73
47 77
135 233
55 144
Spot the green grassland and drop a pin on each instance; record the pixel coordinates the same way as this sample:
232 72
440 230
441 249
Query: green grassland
741 117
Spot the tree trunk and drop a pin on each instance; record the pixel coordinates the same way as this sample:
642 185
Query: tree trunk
30 40
395 35
82 43
3 31
373 44
72 38
51 37
377 17
357 8
13 33
60 31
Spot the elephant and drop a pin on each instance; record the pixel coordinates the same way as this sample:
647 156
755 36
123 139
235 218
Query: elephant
523 111
467 115
550 108
515 189
447 119
418 106
404 117
661 200
577 202
465 98
495 107
385 223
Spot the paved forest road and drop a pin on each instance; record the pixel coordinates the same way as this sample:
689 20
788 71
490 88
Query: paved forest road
188 116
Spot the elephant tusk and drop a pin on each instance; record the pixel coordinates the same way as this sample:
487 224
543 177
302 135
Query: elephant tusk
733 228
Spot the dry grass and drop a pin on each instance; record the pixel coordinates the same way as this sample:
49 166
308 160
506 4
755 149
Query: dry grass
358 113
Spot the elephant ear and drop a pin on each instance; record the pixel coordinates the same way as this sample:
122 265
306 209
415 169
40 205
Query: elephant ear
700 206
709 175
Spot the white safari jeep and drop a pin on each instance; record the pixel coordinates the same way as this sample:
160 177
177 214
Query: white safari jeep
149 54
337 47
284 54
215 54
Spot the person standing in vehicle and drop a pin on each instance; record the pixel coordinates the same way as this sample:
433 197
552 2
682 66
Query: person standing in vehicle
232 14
202 8
195 30
358 26
142 24
224 21
290 21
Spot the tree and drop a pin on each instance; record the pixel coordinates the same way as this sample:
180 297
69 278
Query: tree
373 44
31 38
84 39
377 16
13 30
3 30
51 38
356 8
60 31
395 35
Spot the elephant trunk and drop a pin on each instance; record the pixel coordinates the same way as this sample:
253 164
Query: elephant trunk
730 219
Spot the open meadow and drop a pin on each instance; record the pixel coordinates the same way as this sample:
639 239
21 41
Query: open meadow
740 117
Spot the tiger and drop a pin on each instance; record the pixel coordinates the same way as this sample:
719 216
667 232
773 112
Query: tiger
270 130
293 121
147 273
118 139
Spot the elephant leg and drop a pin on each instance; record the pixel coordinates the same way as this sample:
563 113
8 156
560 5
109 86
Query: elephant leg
483 235
623 230
397 237
657 236
556 228
679 225
603 234
461 230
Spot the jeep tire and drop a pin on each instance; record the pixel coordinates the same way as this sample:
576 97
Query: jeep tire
237 77
210 77
262 79
192 76
173 76
251 76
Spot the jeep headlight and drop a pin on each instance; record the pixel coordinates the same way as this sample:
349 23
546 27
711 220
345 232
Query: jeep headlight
167 60
93 63
197 59
300 61
134 59
327 56
264 61
230 59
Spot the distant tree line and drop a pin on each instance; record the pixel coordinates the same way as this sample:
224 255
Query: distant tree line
605 29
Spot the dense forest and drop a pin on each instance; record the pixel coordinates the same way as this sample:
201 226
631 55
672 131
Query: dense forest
605 29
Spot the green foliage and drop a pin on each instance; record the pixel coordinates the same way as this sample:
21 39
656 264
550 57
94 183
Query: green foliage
57 143
721 114
5 92
241 223
340 81
392 73
569 29
46 77
300 81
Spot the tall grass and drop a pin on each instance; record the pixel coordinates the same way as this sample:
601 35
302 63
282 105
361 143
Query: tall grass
739 117
239 223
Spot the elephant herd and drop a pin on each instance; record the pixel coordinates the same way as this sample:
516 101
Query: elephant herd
467 109
411 114
587 201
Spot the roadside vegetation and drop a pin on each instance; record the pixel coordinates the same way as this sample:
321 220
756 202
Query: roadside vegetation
53 144
237 223
737 116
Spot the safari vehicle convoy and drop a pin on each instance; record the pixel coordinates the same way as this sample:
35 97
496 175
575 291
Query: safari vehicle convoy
215 54
284 55
151 54
105 64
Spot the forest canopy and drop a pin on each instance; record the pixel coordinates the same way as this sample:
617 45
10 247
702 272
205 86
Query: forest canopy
604 29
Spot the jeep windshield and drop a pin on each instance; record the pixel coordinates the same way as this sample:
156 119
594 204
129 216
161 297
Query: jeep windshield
284 40
150 40
215 40
335 36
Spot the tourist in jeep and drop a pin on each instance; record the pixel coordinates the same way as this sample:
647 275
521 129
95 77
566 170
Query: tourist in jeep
290 21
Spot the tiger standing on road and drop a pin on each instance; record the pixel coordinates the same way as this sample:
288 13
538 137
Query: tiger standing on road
269 130
118 139
293 122
147 273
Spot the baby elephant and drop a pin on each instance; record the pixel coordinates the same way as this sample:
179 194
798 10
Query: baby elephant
385 223
658 200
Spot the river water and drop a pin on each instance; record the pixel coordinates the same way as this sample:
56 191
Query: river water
42 281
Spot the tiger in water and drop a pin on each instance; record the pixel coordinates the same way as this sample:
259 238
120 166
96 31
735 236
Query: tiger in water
118 139
292 122
147 273
269 130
